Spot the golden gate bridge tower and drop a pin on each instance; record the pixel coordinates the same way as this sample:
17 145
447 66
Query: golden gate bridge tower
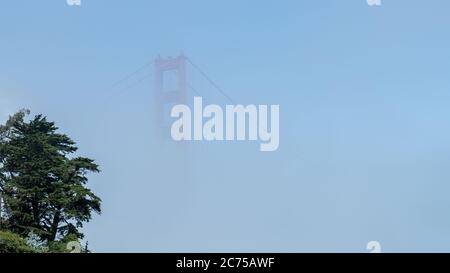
168 90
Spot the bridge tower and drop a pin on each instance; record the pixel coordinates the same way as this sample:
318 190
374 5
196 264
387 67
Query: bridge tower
168 90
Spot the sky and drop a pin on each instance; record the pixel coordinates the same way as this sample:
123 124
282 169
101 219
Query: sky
364 119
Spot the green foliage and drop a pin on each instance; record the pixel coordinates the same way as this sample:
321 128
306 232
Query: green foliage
43 188
63 246
35 242
13 243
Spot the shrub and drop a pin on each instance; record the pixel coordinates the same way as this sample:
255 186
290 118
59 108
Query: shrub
13 243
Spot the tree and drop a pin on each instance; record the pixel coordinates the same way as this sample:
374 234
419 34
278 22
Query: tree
42 184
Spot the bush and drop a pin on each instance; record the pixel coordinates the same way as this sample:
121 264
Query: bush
13 243
67 244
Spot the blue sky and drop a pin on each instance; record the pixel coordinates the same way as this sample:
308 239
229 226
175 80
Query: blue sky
363 95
